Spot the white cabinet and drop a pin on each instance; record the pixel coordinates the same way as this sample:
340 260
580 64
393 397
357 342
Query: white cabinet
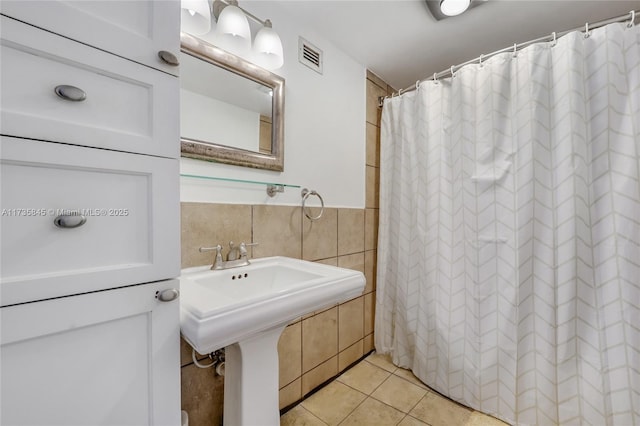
126 106
104 358
134 29
89 194
130 203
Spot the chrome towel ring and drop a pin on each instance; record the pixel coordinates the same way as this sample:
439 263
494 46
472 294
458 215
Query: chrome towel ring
305 194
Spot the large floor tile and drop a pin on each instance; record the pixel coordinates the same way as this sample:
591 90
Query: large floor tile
298 416
382 361
364 377
399 393
334 402
372 412
438 411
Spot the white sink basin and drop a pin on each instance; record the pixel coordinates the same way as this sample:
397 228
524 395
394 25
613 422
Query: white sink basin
222 307
245 310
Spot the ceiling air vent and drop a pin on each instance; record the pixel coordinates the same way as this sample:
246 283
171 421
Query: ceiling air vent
309 55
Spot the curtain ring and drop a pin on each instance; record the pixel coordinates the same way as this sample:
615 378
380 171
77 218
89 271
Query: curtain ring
633 18
452 66
417 84
480 60
554 40
435 78
515 50
399 92
586 30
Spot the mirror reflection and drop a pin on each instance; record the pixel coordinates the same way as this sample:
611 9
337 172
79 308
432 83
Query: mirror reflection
222 107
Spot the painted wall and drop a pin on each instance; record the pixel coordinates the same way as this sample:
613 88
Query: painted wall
324 131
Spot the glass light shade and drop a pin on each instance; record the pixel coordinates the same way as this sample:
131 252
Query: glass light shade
195 17
268 49
233 32
454 7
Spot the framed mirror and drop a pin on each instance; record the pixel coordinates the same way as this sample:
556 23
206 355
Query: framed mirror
231 111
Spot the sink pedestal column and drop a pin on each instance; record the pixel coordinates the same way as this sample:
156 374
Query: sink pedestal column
251 388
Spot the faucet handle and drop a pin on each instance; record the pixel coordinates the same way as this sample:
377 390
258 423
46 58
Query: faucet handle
243 248
217 262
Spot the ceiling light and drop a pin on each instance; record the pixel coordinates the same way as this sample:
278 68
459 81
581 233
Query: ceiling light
195 16
454 7
268 47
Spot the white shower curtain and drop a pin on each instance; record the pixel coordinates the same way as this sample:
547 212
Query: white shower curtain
509 243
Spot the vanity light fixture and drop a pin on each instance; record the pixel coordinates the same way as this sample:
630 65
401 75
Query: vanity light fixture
195 16
268 47
234 34
454 7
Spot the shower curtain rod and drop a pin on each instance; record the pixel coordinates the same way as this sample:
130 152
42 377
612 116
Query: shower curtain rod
631 16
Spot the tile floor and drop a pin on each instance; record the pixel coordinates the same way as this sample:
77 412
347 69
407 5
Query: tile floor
376 392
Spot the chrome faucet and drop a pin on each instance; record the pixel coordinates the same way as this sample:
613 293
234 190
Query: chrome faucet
237 255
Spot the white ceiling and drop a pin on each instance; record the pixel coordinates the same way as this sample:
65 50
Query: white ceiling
400 41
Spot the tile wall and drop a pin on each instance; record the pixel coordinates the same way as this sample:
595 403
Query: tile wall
316 347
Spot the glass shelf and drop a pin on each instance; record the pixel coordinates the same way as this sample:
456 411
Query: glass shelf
272 187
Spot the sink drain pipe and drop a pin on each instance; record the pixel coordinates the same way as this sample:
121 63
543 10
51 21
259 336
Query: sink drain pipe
217 361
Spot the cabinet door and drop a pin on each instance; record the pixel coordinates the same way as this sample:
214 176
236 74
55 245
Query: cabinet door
126 106
133 29
103 358
130 236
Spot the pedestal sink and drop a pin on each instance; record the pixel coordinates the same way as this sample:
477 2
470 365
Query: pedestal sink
246 309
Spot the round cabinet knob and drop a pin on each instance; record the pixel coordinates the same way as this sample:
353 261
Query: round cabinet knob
167 295
168 58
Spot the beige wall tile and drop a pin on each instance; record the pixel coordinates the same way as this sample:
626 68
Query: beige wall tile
333 261
368 342
350 355
276 229
352 261
319 338
351 322
202 395
373 111
369 312
372 187
319 375
320 238
291 393
290 354
370 262
205 225
373 145
371 229
350 231
375 79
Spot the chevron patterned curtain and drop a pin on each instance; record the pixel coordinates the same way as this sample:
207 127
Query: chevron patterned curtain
509 242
